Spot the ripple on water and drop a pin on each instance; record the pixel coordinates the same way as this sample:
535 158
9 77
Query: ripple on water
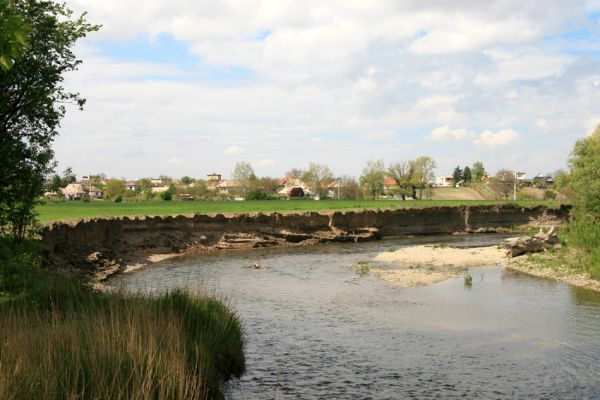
315 329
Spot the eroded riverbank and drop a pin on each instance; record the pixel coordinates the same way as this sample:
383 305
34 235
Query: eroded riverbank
109 246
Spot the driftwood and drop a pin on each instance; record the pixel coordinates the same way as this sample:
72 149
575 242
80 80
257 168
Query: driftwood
529 244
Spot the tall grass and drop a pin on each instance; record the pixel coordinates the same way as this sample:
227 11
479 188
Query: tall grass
61 341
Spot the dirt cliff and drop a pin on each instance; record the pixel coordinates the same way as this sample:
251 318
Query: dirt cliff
129 241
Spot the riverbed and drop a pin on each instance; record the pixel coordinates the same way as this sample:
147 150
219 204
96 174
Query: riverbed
317 328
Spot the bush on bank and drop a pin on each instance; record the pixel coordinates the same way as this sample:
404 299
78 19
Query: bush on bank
584 229
59 341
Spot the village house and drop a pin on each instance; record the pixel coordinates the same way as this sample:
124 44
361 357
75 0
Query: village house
78 191
214 177
228 187
133 185
444 181
290 183
542 181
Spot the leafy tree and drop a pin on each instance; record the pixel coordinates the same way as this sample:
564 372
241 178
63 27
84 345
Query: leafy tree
244 174
146 188
562 183
257 194
58 182
316 176
457 174
371 180
467 176
349 189
186 180
402 173
585 175
295 172
584 229
114 188
14 32
198 189
477 172
268 185
32 103
168 194
423 172
503 183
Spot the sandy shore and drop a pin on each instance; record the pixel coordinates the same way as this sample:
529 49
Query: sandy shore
426 265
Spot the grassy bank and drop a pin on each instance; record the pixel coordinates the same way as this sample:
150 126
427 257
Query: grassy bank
60 211
577 262
62 341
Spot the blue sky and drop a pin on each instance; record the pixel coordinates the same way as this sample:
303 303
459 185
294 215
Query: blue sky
184 88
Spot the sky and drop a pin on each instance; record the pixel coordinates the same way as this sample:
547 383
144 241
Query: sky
189 88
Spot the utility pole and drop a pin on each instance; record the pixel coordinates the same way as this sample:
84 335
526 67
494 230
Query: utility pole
515 187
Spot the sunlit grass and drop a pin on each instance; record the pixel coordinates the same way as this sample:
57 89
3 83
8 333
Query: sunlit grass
55 211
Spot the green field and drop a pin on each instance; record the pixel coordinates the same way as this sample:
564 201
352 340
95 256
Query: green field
62 211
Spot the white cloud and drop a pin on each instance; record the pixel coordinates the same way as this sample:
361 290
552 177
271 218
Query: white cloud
444 133
541 123
501 138
459 33
375 74
265 162
176 161
233 150
435 101
528 66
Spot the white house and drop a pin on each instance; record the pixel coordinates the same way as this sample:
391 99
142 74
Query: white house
444 181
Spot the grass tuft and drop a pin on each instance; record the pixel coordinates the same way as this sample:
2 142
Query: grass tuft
363 267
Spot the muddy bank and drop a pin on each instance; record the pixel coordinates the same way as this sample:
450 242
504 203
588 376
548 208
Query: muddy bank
426 265
129 243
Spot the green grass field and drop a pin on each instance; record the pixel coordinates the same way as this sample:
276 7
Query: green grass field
63 211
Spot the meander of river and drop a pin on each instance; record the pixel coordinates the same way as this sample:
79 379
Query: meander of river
316 329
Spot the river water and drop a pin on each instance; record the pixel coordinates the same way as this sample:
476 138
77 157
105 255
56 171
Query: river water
316 329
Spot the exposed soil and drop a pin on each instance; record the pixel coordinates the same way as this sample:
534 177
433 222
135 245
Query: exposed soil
135 242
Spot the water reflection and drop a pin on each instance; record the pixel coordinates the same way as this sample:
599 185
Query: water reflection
315 328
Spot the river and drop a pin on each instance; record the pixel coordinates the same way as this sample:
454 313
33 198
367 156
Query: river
316 329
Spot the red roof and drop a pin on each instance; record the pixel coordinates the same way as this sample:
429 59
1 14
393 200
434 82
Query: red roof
389 181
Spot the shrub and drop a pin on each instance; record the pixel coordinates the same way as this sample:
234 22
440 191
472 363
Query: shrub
166 196
118 199
257 194
549 194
